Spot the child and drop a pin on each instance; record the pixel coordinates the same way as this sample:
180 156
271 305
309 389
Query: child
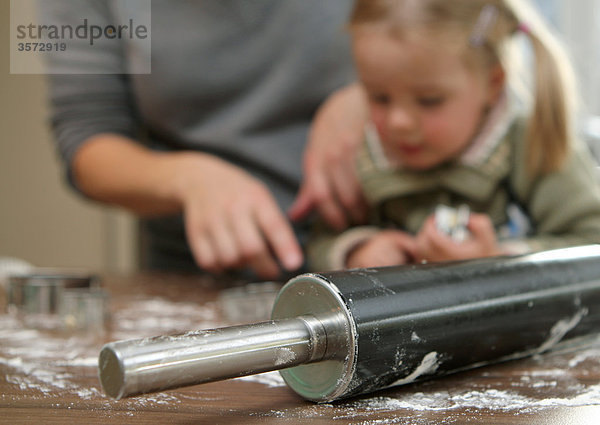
448 127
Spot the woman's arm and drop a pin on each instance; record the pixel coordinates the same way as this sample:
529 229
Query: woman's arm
330 182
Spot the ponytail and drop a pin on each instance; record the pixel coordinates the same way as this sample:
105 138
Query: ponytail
550 127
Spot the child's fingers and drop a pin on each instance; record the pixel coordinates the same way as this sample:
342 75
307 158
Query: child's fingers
424 246
388 248
433 245
429 229
482 229
405 243
480 223
437 240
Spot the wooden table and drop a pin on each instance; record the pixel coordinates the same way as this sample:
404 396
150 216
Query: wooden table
50 376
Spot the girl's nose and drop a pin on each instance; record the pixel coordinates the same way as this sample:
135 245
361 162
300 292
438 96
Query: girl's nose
400 118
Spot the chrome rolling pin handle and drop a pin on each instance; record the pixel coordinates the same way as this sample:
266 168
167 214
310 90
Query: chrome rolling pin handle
340 334
133 367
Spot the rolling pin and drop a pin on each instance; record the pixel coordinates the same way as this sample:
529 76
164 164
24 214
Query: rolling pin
340 334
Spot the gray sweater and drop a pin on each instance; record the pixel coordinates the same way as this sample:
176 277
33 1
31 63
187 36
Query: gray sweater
236 78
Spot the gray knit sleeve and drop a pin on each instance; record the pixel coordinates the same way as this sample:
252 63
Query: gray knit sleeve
89 91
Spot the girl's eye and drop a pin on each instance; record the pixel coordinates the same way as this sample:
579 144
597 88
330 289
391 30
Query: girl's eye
431 101
379 99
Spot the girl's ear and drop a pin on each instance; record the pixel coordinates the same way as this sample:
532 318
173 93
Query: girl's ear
496 81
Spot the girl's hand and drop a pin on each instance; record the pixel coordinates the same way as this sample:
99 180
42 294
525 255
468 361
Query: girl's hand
386 248
432 245
232 220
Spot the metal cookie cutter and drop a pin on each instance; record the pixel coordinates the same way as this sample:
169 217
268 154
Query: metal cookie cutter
43 299
84 309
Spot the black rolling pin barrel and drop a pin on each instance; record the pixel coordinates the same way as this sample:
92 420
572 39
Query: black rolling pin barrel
340 334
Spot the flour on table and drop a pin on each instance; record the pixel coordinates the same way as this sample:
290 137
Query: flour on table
45 364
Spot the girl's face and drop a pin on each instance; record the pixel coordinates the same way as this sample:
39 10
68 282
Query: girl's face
425 102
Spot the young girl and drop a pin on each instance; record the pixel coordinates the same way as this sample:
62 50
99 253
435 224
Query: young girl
449 127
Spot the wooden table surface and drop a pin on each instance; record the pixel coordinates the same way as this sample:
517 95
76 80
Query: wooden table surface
50 376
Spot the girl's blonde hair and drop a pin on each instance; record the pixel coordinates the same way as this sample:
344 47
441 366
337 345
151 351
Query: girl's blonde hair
487 29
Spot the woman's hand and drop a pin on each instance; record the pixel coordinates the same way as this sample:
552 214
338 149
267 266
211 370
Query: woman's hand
386 248
433 245
330 181
232 220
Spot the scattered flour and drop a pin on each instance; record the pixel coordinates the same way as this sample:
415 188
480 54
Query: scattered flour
490 399
49 364
415 338
284 356
157 316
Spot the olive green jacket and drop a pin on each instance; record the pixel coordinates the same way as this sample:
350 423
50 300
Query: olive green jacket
563 207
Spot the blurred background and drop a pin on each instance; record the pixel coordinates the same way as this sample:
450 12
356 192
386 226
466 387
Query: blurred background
43 222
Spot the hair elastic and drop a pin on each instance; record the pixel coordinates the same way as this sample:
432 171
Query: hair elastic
524 28
487 18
